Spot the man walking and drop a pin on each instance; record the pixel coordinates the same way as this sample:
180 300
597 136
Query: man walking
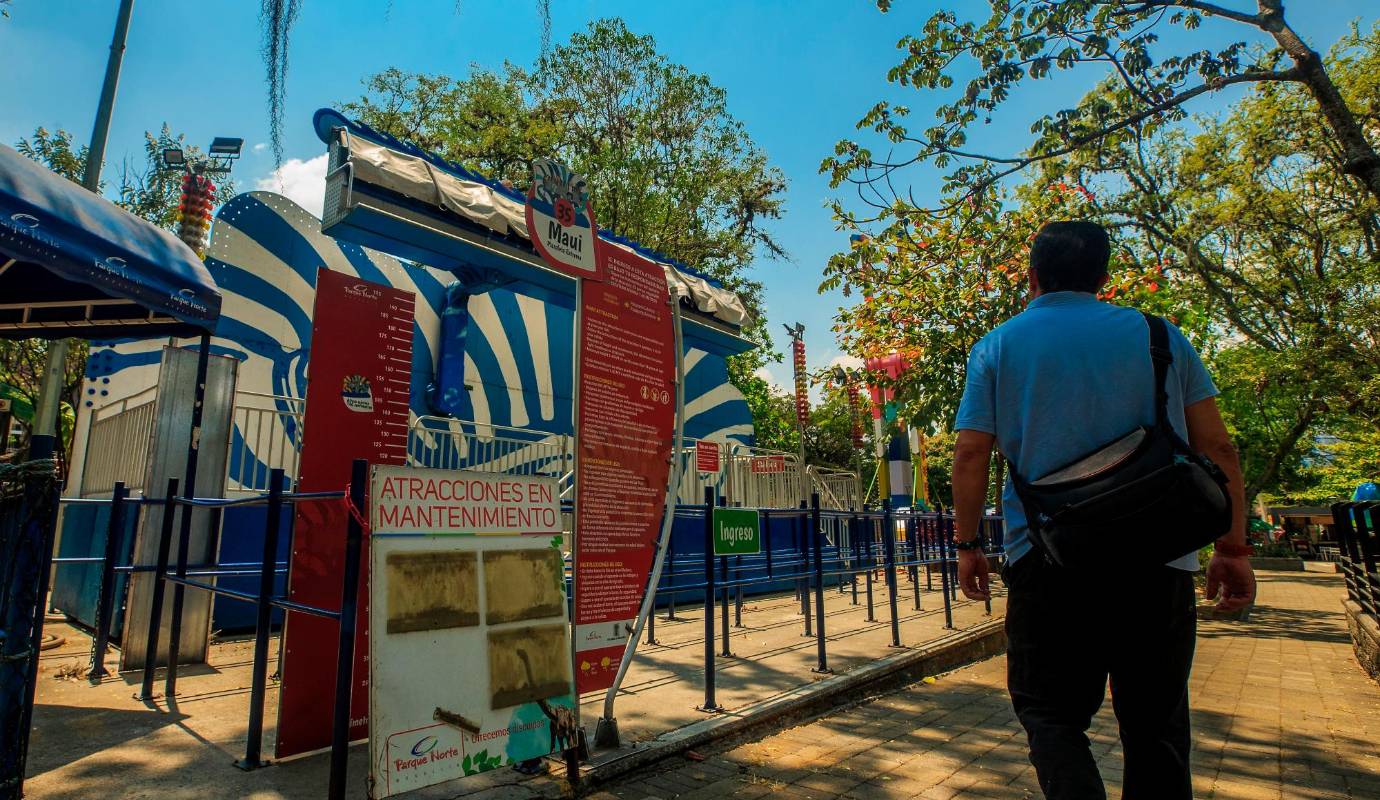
1057 381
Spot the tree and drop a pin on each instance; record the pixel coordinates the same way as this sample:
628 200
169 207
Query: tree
1246 232
1275 248
669 166
1023 40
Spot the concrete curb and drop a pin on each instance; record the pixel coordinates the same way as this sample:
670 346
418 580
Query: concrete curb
903 668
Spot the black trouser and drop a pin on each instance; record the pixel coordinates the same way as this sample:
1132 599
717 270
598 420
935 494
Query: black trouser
1067 633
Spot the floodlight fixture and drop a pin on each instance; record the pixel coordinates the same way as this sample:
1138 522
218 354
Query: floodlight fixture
226 147
174 158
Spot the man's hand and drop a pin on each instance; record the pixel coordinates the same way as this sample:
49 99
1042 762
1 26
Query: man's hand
972 574
1230 581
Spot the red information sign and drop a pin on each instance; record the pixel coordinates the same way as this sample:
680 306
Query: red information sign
357 403
625 420
767 465
707 456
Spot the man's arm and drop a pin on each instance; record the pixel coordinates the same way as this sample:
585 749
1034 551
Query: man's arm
972 463
1231 574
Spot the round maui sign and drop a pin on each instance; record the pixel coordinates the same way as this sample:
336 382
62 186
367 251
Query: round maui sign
560 219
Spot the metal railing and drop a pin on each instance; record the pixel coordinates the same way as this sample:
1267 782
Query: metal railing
266 434
1358 533
822 547
181 575
117 445
442 443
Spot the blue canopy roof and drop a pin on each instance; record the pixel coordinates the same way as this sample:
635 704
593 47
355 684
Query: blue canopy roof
74 264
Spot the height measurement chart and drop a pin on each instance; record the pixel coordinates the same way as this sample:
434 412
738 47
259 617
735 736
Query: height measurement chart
623 435
357 407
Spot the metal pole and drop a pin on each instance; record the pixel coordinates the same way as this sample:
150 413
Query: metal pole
723 605
816 536
889 550
912 536
651 623
927 532
259 677
765 516
34 493
869 563
345 652
853 555
113 533
709 703
802 537
156 607
738 592
44 441
944 571
184 535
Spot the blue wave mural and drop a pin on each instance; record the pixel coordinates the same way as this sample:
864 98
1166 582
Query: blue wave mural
264 253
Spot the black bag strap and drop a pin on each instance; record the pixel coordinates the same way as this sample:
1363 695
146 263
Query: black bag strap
1162 357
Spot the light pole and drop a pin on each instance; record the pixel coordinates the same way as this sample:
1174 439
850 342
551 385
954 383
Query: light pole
802 399
44 440
198 192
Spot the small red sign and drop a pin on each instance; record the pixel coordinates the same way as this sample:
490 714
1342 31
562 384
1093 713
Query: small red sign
707 456
768 465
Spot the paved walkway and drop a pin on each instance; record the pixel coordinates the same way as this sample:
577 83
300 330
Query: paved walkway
1281 710
96 741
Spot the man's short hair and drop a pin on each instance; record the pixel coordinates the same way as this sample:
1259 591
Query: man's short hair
1070 256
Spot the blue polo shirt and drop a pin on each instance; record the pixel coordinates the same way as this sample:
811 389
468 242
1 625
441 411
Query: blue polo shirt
1064 377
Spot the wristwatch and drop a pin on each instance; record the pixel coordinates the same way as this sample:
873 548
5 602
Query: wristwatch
971 544
1228 549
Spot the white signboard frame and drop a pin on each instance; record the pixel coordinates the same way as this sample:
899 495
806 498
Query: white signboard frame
469 636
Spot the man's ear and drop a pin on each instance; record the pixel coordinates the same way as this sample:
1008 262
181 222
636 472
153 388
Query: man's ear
1034 281
1102 281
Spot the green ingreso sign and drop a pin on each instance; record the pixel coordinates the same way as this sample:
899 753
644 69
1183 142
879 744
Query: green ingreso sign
736 532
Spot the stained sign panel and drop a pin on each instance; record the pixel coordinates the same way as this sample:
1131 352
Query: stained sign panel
470 646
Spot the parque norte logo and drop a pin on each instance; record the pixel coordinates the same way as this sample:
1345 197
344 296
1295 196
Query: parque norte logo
426 750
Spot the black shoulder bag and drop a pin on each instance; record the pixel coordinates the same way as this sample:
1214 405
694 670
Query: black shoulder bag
1140 501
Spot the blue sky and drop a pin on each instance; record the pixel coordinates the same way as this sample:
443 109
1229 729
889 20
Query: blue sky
798 73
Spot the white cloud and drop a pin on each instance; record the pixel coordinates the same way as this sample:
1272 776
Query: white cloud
765 374
260 147
303 182
846 361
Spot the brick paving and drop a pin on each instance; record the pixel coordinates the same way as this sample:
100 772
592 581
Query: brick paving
1281 711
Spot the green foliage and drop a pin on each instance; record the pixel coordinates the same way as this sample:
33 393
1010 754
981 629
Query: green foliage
975 60
1247 233
55 151
669 166
481 762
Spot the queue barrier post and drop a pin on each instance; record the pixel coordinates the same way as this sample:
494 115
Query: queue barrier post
349 604
889 553
259 676
106 602
710 705
816 545
803 583
156 605
869 563
943 535
651 621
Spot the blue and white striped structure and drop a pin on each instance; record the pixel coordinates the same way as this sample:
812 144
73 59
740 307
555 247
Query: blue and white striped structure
264 253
